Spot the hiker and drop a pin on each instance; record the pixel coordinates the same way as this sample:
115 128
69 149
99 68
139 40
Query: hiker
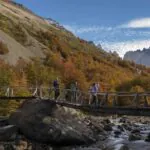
56 88
93 91
97 87
97 91
90 94
74 88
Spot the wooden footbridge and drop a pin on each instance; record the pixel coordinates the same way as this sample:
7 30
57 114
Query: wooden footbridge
126 103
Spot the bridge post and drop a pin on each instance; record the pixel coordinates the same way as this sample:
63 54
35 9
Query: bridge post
77 96
90 98
106 99
136 100
12 92
103 100
145 101
7 92
40 92
35 92
115 101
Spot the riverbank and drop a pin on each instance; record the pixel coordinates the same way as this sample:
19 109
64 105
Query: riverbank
41 125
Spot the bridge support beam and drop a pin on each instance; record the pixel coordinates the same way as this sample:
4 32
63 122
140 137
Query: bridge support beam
106 99
115 101
40 92
136 100
145 101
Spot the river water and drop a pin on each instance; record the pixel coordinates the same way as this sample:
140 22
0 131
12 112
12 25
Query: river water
122 141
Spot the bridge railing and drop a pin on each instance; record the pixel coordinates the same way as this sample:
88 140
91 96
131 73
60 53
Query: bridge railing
134 99
79 97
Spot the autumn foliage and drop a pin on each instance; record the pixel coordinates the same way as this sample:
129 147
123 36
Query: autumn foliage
67 57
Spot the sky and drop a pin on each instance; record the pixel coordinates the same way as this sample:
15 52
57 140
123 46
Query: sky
117 25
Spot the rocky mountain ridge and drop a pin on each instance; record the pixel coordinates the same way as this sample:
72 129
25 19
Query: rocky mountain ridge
139 56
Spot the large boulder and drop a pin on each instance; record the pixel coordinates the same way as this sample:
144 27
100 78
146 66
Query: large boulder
8 133
3 121
46 122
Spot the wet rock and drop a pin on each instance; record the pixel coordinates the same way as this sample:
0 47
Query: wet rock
117 132
97 128
148 138
2 147
102 137
124 147
123 120
3 121
120 128
134 137
135 131
146 122
107 121
112 124
108 127
22 145
8 133
46 122
127 127
9 147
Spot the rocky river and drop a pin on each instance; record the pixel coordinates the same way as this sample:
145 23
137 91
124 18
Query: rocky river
42 125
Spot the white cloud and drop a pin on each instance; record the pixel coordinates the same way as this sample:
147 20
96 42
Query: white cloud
81 30
137 23
122 47
121 39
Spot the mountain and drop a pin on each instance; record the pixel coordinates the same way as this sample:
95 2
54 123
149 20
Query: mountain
139 56
28 35
36 50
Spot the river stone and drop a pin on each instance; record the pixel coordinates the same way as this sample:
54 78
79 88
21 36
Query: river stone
136 131
124 147
44 121
106 121
148 138
8 133
127 127
108 127
2 147
9 147
117 132
134 137
120 128
3 122
21 145
123 120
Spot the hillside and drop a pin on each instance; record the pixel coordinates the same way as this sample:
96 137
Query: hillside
139 56
36 50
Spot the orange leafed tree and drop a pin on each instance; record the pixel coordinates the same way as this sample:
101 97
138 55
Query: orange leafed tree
72 74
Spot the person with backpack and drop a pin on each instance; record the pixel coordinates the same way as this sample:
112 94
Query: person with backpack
74 88
98 89
93 91
56 88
